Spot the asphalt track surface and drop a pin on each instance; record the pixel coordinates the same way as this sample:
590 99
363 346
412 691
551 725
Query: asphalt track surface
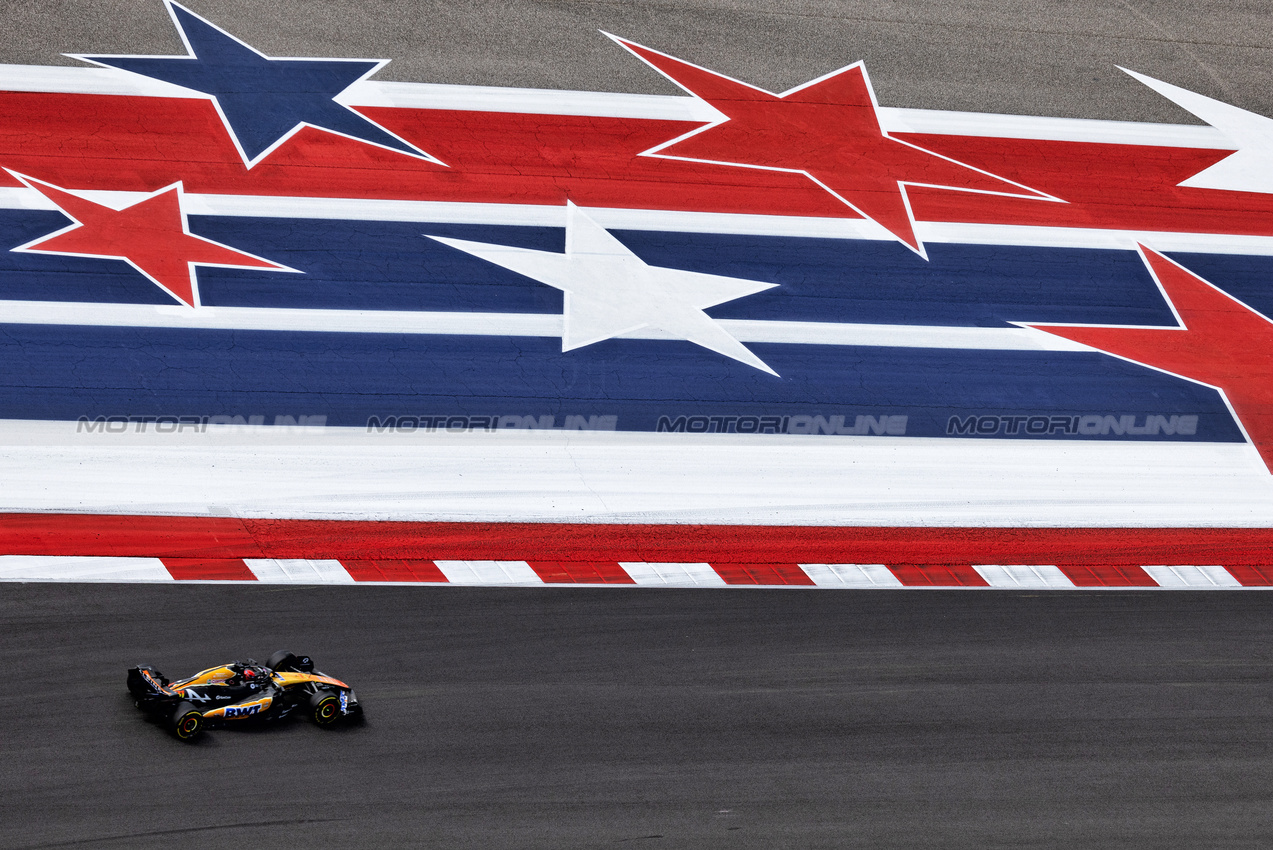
593 718
590 718
1020 57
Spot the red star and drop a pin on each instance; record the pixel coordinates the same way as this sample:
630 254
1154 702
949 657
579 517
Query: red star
1221 342
151 235
827 129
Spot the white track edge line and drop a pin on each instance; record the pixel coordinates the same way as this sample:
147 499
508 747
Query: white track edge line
293 320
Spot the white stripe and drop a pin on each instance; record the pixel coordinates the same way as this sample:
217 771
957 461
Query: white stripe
1192 576
674 575
1078 237
253 318
488 572
111 81
298 571
528 101
991 125
851 575
630 477
888 336
1022 575
73 80
540 215
59 568
507 324
455 212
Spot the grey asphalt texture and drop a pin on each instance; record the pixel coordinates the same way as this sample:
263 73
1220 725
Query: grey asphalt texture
571 718
1024 57
578 718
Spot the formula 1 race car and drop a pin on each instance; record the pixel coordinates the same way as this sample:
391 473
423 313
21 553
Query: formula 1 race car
243 692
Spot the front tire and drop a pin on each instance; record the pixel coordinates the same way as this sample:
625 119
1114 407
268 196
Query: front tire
324 709
187 722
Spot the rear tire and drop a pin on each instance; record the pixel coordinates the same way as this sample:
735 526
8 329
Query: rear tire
324 709
187 722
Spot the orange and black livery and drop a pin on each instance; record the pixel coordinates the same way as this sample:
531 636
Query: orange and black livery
244 692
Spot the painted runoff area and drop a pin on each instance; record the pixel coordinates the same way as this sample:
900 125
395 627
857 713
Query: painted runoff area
83 548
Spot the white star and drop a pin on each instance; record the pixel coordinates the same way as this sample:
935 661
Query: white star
610 291
1250 167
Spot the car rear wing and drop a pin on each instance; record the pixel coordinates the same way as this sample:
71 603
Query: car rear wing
148 682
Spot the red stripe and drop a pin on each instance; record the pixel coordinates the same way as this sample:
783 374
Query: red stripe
1252 575
208 569
762 574
143 143
1107 575
393 569
755 544
124 536
720 545
938 575
1122 186
580 572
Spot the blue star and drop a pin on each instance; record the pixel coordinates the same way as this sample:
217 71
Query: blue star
262 101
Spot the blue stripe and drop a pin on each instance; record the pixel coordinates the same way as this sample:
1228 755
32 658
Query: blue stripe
861 281
54 372
392 265
381 265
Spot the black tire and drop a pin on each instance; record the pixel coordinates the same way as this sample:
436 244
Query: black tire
280 659
324 709
187 722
